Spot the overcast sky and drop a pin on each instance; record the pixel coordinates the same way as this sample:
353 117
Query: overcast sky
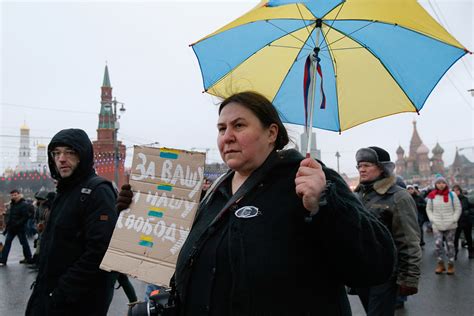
53 56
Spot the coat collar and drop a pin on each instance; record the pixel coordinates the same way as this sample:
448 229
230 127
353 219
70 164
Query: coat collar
381 186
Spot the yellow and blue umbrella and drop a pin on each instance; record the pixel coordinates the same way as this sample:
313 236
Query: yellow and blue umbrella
357 60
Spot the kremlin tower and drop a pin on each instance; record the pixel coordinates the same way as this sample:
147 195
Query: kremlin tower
104 146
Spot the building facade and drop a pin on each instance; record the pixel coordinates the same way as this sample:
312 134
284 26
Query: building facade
417 167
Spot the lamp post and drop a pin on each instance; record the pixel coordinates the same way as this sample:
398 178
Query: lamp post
116 126
338 155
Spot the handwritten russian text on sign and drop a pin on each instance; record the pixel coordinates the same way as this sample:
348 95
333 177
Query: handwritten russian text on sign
166 186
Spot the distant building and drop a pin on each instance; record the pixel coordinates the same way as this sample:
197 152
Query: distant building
419 168
461 171
24 155
25 162
28 176
104 146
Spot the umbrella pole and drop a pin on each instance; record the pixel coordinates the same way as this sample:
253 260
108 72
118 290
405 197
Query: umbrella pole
312 90
309 128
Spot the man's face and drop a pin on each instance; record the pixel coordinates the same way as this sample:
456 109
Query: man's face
206 184
66 160
15 196
368 171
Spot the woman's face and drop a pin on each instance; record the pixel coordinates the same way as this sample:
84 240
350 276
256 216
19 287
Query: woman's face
243 142
441 185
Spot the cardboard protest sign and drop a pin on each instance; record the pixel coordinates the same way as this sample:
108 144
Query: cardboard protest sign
166 186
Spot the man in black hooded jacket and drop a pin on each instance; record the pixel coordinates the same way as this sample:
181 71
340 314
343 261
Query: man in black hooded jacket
77 234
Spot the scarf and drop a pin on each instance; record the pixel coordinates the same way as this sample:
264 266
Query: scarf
444 193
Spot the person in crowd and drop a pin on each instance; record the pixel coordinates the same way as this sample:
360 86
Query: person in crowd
30 223
42 208
443 209
421 208
18 215
464 223
424 193
393 205
205 186
77 233
278 234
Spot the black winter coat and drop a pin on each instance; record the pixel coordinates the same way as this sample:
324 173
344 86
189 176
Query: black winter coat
421 208
18 214
278 263
77 235
465 218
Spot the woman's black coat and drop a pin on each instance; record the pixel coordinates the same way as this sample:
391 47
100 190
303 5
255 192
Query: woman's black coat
281 263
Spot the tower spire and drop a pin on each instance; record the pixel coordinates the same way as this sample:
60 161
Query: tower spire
106 82
415 142
106 118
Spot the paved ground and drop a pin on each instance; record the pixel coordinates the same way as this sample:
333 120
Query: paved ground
439 294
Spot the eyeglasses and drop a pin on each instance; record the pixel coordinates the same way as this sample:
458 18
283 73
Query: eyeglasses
68 153
365 165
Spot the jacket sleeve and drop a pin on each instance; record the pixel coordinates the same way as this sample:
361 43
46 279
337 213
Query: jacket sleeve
406 234
360 246
457 207
429 209
99 223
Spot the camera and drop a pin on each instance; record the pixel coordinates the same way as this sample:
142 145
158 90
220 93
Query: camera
160 303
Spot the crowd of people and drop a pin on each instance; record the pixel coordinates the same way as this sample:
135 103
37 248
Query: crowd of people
275 219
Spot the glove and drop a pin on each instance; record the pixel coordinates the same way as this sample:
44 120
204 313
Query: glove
404 290
124 198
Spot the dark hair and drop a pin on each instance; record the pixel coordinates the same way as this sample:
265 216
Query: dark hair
457 186
14 191
263 110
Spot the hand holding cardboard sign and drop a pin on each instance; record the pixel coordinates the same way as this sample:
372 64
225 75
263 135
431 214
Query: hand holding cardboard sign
310 183
125 198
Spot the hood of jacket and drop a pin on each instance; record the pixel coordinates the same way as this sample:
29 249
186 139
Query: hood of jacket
78 140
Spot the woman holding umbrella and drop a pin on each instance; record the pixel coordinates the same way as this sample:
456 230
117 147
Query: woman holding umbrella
277 234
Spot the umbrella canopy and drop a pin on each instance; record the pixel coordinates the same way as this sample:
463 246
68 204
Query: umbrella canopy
376 58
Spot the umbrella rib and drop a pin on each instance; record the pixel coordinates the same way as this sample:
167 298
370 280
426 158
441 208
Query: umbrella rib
269 45
304 22
334 20
285 46
334 66
288 33
346 48
348 35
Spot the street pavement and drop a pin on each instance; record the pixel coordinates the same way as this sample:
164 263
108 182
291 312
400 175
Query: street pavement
439 294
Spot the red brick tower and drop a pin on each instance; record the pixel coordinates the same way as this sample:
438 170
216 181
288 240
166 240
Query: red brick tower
104 146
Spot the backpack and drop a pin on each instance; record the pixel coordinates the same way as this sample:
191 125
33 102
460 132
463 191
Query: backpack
86 192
